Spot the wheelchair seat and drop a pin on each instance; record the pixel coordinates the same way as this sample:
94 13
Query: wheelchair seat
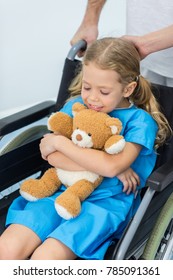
24 160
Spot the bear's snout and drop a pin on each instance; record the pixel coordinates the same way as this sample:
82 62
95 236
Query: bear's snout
79 137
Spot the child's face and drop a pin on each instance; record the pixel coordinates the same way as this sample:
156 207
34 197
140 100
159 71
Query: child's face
101 89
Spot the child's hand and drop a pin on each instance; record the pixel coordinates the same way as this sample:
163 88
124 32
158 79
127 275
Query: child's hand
47 145
130 180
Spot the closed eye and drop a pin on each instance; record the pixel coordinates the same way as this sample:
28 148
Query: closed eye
104 92
86 88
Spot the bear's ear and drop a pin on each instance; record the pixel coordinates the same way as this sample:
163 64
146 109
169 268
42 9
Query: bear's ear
114 124
77 107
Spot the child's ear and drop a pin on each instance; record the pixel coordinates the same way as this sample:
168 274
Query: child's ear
129 89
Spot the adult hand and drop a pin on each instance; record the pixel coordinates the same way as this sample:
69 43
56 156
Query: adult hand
88 33
139 44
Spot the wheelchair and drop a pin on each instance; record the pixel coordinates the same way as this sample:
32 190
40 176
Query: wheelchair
149 234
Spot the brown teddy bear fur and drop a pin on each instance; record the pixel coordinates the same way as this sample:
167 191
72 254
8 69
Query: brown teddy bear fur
87 128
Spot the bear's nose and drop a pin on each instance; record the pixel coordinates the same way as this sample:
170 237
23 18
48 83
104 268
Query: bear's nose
78 137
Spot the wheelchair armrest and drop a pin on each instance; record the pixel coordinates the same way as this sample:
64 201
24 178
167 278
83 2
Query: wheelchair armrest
161 177
25 117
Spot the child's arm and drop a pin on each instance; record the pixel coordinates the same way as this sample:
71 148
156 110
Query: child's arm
59 160
90 159
129 178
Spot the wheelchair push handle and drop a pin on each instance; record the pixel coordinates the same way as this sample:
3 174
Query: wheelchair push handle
80 45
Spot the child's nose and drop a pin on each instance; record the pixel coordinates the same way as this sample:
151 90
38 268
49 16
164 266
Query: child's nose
94 95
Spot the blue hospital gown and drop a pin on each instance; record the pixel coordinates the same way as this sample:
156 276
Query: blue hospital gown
106 212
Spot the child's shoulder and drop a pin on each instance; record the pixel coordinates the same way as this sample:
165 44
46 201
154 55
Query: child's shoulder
132 113
67 108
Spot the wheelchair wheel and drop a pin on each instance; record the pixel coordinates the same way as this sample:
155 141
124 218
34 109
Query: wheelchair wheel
24 137
160 244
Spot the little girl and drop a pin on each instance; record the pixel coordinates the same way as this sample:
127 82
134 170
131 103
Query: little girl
109 82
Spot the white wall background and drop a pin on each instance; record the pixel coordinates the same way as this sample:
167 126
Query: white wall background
34 41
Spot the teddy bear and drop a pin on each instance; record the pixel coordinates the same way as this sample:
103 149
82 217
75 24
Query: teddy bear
87 129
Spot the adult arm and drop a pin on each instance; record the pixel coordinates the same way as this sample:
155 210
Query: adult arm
152 42
88 29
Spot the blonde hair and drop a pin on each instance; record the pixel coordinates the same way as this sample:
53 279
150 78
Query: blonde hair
122 57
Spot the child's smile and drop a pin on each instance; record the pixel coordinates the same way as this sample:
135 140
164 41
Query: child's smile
101 89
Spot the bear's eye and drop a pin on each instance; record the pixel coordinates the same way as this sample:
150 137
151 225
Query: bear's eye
89 134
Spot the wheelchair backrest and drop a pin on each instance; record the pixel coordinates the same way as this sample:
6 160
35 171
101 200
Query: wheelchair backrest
164 95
